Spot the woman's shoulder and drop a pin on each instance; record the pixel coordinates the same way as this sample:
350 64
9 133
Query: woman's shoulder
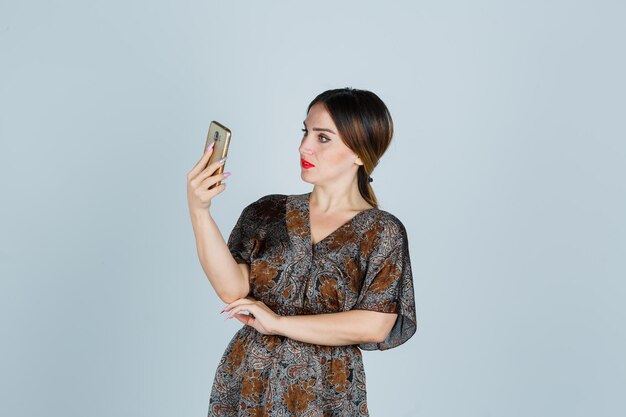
388 224
270 199
267 206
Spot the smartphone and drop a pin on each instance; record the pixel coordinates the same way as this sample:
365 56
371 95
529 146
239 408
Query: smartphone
219 134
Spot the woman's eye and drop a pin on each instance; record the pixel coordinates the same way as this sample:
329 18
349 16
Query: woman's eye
322 139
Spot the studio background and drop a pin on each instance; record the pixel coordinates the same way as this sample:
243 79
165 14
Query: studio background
507 169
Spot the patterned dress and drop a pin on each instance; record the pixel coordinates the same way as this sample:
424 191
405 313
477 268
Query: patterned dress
364 264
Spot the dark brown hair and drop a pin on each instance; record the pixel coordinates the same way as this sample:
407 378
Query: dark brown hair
364 124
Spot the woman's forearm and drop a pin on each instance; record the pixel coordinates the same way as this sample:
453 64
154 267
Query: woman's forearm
337 329
226 276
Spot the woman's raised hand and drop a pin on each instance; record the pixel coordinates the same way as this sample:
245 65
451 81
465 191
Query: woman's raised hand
200 178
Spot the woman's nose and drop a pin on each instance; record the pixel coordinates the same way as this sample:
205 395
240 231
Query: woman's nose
305 147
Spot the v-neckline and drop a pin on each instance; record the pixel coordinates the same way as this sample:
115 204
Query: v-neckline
307 199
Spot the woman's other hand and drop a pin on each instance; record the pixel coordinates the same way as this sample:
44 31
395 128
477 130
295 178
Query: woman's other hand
200 178
261 317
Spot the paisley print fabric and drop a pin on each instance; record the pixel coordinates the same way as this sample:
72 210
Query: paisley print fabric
364 264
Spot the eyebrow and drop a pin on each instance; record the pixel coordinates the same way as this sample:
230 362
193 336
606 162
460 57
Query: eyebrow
319 129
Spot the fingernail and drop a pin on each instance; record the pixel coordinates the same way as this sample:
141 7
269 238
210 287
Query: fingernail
223 159
208 148
226 174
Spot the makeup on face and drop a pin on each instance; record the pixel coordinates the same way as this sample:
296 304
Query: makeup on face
320 126
322 144
305 164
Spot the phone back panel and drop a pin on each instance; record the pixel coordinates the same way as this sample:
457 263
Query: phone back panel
219 134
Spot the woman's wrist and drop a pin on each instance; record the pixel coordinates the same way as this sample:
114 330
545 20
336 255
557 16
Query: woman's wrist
200 214
279 327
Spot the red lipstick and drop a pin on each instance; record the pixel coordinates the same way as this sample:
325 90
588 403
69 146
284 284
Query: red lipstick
305 164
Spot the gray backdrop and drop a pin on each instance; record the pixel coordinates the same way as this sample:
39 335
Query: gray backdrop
507 168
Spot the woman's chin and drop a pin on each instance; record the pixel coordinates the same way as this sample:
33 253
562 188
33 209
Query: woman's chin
305 178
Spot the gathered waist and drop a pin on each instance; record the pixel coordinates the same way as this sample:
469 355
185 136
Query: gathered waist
276 345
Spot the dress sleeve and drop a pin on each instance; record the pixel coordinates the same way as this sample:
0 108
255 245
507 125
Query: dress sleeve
388 286
243 238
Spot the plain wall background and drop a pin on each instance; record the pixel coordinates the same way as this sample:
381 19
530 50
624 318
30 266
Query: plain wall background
507 168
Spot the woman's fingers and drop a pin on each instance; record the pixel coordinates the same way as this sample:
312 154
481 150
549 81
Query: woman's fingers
201 178
239 309
206 172
260 316
239 305
201 164
214 179
245 319
206 195
235 303
210 170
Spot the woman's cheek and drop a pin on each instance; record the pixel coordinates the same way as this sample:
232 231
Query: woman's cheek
339 158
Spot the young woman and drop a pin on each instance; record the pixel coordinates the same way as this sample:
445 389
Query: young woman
320 275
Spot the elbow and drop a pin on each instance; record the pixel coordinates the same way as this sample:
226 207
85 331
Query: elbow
374 334
379 337
229 297
383 329
240 289
373 338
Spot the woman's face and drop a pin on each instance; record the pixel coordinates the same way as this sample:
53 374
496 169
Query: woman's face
324 158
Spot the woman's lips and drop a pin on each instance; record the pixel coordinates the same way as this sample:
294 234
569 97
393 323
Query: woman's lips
306 164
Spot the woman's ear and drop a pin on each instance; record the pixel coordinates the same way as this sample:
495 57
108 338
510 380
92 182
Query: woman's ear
358 161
